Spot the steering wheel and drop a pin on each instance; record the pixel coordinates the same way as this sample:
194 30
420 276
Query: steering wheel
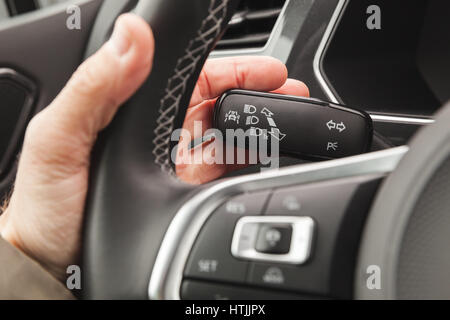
142 223
134 196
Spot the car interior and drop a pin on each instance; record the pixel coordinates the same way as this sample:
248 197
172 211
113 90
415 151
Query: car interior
364 195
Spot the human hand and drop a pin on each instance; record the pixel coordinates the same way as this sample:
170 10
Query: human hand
219 75
45 213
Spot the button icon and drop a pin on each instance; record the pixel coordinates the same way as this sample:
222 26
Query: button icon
291 203
273 275
331 125
274 239
232 116
332 146
273 236
207 266
252 120
272 122
276 134
341 127
249 109
267 113
235 207
256 132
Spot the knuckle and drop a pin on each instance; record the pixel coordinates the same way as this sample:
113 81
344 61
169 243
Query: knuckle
34 129
87 81
92 78
205 86
47 144
38 134
240 74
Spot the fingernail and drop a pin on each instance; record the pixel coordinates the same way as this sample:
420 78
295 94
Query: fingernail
120 39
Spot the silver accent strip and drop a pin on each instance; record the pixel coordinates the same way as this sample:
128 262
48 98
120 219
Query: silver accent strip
167 274
4 14
255 50
407 120
284 33
326 88
301 240
321 50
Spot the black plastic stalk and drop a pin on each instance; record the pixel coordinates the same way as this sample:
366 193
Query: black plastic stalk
303 127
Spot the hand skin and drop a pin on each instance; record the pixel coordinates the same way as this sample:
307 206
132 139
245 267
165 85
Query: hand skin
218 76
45 213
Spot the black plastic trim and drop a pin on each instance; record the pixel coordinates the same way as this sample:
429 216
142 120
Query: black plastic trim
31 88
314 101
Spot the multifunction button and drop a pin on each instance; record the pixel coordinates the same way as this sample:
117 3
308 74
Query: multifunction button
273 239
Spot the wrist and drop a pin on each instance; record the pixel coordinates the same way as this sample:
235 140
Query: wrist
8 233
3 223
6 230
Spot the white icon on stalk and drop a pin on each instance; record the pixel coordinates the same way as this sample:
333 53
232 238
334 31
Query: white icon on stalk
267 113
332 146
276 133
249 109
252 120
338 126
256 132
271 122
232 116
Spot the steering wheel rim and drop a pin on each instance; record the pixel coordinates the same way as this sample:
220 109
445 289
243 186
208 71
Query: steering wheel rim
396 208
133 195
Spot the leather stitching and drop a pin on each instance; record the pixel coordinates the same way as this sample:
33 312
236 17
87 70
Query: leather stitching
177 84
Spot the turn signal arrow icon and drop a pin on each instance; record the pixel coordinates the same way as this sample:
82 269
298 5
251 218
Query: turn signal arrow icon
331 125
341 127
338 126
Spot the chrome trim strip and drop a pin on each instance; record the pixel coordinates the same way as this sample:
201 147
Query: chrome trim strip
321 50
326 88
283 36
166 277
261 49
4 14
395 119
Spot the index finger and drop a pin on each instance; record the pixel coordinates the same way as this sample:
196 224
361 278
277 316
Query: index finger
249 72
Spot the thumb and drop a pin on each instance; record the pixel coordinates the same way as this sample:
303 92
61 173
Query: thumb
45 214
109 77
92 96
